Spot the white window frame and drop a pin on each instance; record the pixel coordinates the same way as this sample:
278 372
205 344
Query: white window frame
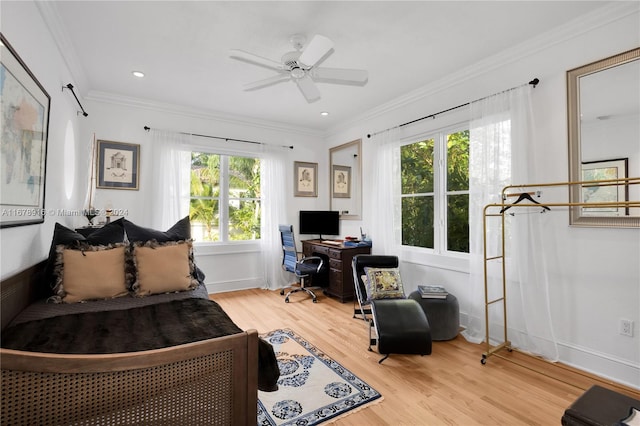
223 199
440 255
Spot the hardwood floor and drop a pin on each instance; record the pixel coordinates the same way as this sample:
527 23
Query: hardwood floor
448 387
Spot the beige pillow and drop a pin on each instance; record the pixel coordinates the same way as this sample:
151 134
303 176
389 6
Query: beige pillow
163 267
384 283
95 272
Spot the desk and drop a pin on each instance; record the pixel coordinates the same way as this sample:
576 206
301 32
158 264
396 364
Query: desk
338 282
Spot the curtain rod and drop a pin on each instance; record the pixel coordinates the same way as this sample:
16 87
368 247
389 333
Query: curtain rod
70 87
533 82
147 128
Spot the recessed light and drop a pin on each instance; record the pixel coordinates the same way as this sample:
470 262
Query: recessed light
138 74
324 113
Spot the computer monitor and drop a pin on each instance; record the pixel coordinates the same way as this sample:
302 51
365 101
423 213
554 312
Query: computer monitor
319 222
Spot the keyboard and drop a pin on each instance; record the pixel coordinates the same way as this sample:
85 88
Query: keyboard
333 243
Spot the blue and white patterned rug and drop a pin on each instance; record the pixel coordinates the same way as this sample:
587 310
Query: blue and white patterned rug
313 388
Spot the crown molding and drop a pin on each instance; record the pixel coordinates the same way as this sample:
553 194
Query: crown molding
583 24
110 98
574 28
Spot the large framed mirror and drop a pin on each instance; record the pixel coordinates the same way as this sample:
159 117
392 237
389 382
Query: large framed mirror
345 179
604 138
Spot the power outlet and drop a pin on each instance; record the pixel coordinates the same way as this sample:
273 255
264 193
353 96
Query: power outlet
626 327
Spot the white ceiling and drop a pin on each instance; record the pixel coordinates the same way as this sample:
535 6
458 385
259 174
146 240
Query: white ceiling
183 46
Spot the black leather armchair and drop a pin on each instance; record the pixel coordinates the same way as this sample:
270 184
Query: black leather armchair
400 325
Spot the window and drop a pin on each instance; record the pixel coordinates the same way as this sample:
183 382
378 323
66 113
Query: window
435 192
225 197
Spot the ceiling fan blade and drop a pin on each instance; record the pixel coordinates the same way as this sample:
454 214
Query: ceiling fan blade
340 75
317 48
267 81
255 59
308 88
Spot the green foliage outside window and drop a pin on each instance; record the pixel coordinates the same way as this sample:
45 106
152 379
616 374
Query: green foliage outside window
417 181
417 222
458 180
458 161
419 192
244 198
240 177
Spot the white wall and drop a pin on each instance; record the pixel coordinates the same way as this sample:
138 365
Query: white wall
597 278
23 246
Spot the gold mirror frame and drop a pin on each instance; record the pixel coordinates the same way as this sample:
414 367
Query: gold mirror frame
575 150
349 201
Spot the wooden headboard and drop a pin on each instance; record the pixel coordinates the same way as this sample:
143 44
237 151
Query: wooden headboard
18 291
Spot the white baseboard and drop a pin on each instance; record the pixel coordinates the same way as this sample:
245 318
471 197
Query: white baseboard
225 286
600 364
593 362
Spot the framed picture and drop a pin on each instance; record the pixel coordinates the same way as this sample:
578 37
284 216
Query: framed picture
341 181
305 179
605 170
23 134
118 165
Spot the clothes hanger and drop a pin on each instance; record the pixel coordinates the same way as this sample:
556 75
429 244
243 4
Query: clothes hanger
522 197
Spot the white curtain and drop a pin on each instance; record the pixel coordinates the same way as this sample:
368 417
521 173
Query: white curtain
501 154
169 197
385 208
274 213
171 172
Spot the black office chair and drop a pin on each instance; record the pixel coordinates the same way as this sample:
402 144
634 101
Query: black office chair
400 325
302 267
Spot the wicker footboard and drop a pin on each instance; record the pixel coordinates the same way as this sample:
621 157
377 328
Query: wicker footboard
211 382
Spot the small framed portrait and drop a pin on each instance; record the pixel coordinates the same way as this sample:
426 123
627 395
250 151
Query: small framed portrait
118 165
341 181
305 179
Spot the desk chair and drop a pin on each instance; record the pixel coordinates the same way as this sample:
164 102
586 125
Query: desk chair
302 267
400 324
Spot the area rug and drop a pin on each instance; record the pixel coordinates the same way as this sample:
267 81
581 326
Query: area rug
312 388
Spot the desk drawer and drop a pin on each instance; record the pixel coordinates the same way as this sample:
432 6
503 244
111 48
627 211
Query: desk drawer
335 277
335 264
335 254
321 249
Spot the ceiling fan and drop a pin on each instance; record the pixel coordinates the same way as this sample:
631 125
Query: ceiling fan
301 67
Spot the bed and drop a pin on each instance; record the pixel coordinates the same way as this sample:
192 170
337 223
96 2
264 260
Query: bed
143 357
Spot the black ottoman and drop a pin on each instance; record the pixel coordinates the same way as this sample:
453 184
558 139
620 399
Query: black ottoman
443 315
402 327
599 406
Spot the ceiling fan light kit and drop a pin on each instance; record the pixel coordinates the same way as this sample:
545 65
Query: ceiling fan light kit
300 66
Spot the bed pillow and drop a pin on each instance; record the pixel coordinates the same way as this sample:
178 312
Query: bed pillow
111 233
90 273
163 267
384 283
178 232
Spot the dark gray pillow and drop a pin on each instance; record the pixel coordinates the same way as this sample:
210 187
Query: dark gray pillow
180 231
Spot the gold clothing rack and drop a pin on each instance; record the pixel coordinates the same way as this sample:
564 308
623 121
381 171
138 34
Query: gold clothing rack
488 212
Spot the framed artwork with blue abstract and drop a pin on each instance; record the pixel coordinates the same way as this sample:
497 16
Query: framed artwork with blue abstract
24 125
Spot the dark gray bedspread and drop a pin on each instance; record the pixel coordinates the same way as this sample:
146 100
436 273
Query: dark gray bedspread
135 329
45 309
